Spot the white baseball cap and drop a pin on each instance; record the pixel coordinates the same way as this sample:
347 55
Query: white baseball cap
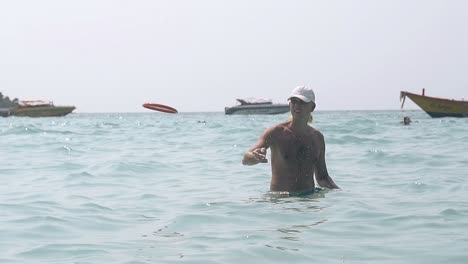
304 93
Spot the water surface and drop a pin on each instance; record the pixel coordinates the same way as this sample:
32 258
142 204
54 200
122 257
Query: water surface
162 188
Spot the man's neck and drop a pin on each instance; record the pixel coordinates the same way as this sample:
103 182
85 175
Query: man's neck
299 125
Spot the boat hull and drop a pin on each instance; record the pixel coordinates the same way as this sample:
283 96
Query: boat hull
257 109
43 111
438 107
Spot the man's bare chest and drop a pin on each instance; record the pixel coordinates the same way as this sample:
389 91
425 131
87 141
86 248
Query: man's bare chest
297 149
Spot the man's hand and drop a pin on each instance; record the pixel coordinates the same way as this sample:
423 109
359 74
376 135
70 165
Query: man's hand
260 155
255 156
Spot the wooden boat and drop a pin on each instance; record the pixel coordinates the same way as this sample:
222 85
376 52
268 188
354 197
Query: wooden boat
437 107
40 108
252 106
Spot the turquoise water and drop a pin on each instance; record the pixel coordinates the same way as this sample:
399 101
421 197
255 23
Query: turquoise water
161 188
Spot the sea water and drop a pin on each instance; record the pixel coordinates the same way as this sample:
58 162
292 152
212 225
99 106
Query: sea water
170 188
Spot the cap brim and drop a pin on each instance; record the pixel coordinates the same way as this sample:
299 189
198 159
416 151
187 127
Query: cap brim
303 98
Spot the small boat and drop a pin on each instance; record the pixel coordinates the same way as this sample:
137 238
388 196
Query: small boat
437 107
253 106
40 108
4 112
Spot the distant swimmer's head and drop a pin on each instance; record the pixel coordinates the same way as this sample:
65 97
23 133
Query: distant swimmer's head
406 120
304 93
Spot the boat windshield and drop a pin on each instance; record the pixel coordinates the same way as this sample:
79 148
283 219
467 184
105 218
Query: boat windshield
247 101
35 103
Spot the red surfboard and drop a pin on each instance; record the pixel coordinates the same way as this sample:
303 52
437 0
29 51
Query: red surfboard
160 108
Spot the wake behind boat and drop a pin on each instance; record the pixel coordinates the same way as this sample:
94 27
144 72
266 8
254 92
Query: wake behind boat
437 107
255 106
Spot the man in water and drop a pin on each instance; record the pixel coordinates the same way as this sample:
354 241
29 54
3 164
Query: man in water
406 121
297 149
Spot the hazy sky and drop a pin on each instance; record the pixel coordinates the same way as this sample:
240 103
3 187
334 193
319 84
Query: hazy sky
200 55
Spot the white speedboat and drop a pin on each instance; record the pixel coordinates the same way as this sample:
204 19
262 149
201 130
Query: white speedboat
254 106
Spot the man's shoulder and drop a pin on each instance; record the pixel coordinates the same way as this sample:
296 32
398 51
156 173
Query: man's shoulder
315 132
281 126
278 128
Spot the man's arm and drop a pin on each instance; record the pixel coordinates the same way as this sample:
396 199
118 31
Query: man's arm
257 153
321 172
